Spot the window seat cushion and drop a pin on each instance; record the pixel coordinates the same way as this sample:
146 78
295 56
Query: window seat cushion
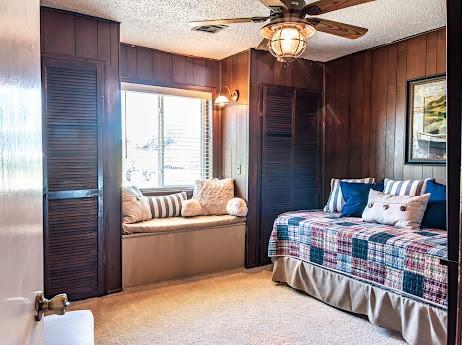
161 225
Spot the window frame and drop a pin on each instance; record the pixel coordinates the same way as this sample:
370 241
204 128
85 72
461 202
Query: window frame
167 91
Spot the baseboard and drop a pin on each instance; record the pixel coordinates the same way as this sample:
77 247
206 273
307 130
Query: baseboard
109 292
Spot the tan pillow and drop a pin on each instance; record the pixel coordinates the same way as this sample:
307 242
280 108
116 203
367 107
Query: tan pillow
213 195
135 206
401 211
191 208
237 207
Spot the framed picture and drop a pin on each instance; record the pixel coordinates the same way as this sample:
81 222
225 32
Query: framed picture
426 121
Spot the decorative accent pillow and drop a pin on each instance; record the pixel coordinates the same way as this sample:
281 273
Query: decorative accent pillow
356 196
166 205
435 215
213 195
135 206
191 208
402 211
408 187
237 207
336 201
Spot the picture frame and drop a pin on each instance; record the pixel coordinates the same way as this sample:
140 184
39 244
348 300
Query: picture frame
426 121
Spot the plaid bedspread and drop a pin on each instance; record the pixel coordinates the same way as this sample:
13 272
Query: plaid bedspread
404 261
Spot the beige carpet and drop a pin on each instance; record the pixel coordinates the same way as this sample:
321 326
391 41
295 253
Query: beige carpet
238 308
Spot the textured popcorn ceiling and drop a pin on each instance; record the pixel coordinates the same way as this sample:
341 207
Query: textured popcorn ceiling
163 24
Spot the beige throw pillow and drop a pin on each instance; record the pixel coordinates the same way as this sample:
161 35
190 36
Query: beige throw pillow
191 208
213 195
237 207
135 206
401 211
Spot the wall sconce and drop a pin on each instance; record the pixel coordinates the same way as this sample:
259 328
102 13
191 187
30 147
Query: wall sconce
223 100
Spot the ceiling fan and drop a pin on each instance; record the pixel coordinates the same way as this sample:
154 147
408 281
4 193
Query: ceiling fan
291 25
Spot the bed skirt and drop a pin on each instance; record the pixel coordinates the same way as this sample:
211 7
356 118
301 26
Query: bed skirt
418 322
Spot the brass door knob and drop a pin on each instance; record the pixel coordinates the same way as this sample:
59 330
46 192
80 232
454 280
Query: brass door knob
57 305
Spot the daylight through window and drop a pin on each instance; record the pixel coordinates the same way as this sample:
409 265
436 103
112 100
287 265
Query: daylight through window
167 139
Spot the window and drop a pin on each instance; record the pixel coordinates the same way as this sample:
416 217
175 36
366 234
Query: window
167 138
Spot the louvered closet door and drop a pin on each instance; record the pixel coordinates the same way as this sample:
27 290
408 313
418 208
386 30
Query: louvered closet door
276 173
306 157
290 155
73 179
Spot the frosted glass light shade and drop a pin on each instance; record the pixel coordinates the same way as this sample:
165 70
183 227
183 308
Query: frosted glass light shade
221 100
287 42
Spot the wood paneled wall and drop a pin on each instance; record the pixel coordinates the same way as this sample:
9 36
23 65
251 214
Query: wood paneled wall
301 73
155 67
365 109
240 124
234 122
141 65
67 35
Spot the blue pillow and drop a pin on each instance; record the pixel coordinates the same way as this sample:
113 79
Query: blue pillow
356 196
435 214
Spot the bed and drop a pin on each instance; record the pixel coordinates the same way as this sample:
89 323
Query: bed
392 275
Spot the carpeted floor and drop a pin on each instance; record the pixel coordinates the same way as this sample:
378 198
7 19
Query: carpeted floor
236 308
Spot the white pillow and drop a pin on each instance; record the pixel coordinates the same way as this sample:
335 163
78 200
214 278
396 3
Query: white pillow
135 206
336 201
237 207
213 195
402 211
191 208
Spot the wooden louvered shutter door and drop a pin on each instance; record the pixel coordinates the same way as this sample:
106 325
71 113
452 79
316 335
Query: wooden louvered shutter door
73 179
276 170
306 157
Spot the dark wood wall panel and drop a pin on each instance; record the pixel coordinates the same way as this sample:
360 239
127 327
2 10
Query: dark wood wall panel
234 122
86 37
365 109
141 65
72 36
151 66
300 73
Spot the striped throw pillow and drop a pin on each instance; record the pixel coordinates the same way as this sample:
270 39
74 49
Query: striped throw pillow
336 201
167 205
408 187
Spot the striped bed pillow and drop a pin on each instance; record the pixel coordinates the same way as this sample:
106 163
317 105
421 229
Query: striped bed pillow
336 201
408 187
167 205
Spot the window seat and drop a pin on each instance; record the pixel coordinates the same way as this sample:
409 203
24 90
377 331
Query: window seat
172 248
172 224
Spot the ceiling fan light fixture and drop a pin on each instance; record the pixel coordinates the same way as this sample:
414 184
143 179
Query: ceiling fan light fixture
287 41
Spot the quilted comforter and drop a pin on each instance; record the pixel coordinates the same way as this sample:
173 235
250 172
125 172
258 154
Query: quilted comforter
400 260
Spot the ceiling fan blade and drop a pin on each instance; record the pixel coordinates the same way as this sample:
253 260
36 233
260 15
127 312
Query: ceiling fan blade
273 3
228 21
263 45
325 6
336 28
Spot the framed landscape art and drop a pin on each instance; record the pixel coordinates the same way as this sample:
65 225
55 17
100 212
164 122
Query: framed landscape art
426 121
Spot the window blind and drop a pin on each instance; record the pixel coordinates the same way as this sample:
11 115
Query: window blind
168 139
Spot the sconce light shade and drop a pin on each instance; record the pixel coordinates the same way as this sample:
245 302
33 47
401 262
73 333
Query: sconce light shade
221 101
